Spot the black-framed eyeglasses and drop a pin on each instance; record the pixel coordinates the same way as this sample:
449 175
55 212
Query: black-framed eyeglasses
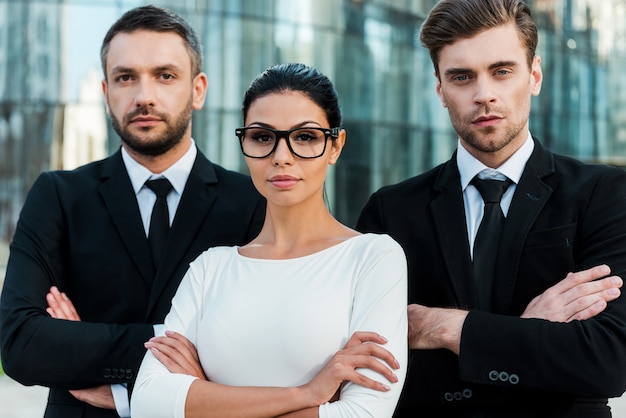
307 142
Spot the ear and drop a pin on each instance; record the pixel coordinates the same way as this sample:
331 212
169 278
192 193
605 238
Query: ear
106 98
536 76
439 90
200 85
337 147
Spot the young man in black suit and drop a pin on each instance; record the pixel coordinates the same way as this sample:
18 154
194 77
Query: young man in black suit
85 232
519 341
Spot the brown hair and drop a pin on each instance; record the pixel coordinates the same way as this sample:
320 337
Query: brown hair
451 20
155 19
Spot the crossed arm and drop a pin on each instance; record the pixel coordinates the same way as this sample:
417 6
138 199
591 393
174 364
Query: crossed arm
579 296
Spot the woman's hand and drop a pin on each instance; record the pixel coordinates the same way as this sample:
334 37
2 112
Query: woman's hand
177 354
361 351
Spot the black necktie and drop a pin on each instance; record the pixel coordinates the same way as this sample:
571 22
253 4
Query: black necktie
488 237
160 219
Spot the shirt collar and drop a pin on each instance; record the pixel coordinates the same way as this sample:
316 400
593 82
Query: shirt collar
177 173
512 168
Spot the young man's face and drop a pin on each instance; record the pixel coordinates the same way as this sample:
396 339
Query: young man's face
486 85
150 90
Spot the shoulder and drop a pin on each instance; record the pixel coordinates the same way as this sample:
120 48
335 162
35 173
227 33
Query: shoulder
373 246
213 259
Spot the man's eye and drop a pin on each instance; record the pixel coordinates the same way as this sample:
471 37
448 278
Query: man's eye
123 78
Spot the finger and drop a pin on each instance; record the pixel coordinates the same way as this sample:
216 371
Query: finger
360 337
588 307
168 362
373 350
180 345
54 308
172 350
607 287
61 305
585 276
362 380
185 341
68 308
589 312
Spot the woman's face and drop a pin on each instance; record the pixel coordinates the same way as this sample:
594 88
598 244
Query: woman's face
283 178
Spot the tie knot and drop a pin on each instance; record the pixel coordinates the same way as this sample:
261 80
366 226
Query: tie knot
491 190
161 186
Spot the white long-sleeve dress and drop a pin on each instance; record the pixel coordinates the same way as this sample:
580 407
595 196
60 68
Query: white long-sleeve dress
259 322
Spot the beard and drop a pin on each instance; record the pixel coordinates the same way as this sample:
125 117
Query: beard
489 139
153 144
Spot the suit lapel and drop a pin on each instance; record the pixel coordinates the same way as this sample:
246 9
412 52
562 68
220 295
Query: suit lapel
195 202
530 197
120 200
449 217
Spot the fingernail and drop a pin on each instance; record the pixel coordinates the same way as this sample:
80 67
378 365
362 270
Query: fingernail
613 292
395 378
386 388
616 281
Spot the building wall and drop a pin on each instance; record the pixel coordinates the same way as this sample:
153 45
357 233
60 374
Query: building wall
369 48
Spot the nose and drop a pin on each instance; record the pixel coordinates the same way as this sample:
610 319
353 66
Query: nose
485 91
145 94
282 154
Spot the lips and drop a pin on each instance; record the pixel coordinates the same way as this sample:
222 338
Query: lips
145 121
487 120
283 181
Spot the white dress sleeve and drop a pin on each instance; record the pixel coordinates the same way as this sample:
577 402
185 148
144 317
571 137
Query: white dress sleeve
380 305
157 392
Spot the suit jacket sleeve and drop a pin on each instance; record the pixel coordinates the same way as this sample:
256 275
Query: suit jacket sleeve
583 357
37 349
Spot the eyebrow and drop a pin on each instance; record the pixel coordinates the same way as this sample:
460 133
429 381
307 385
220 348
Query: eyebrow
298 125
497 64
160 68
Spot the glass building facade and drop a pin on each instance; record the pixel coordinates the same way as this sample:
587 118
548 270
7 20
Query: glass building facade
52 113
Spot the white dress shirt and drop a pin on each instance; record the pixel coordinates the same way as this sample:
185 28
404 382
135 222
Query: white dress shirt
177 174
469 167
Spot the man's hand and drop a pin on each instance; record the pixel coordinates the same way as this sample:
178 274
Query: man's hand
60 306
177 354
577 297
100 396
433 328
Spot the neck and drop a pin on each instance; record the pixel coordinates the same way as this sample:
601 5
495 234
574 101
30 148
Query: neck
159 163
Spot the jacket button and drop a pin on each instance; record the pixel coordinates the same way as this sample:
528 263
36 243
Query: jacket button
493 375
448 397
106 373
504 376
514 379
467 393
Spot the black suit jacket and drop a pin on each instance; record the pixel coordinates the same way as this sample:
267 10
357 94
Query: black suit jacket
565 216
81 230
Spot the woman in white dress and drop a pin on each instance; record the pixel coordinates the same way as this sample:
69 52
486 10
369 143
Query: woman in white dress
308 319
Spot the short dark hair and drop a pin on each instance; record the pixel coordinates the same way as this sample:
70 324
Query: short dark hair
155 19
296 77
451 20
